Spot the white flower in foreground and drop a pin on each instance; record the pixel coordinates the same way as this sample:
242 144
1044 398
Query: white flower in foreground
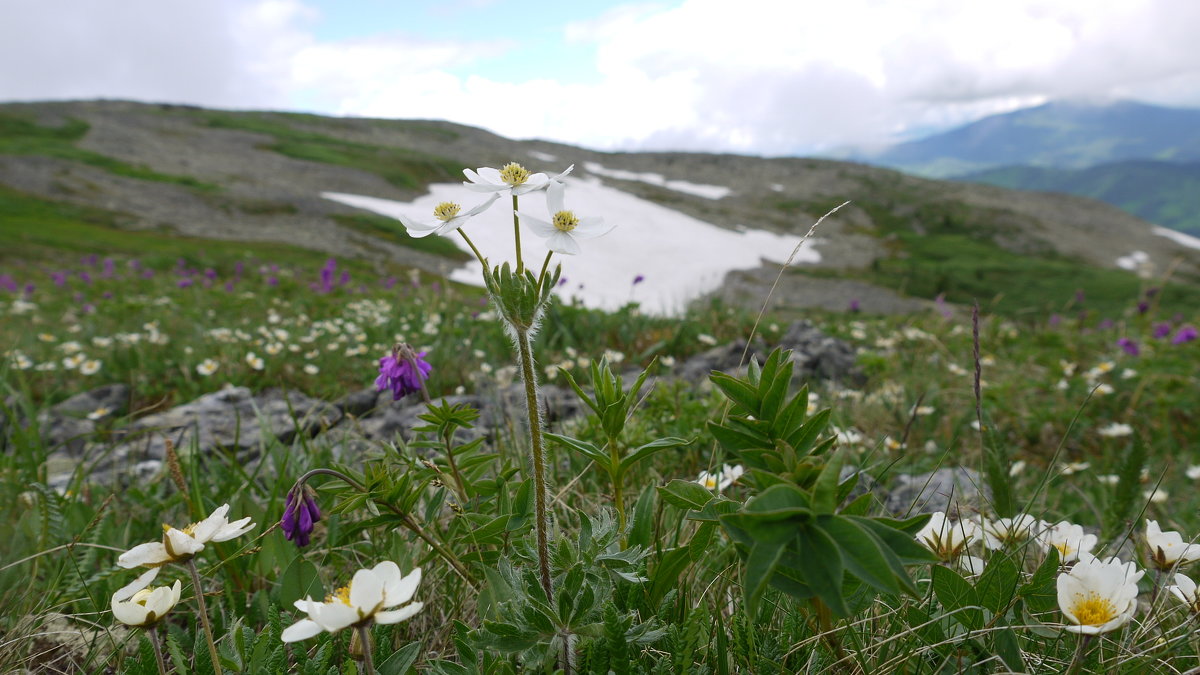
1193 472
1003 532
948 540
367 598
182 545
1098 596
1166 549
1115 430
719 481
565 227
1068 538
144 606
447 217
1185 590
511 179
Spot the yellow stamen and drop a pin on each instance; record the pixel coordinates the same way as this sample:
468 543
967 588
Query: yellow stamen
514 174
446 210
1093 610
565 221
1064 550
342 595
141 597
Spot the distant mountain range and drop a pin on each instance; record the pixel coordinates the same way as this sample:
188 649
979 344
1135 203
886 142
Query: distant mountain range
1142 158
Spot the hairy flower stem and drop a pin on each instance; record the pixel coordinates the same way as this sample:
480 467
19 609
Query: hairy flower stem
525 352
212 645
405 520
614 455
462 488
158 655
364 637
517 235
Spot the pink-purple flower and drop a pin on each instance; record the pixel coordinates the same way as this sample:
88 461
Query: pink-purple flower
402 372
300 514
1185 334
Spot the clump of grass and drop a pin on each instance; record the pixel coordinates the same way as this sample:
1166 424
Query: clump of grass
392 230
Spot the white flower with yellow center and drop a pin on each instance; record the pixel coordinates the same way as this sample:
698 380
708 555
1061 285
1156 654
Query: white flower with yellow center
447 217
1166 549
511 179
1069 539
207 367
1187 593
366 600
134 606
727 476
948 540
99 413
565 228
1098 596
181 545
254 361
90 367
74 361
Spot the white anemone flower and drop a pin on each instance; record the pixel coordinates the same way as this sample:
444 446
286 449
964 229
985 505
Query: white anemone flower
565 228
1069 539
447 217
367 599
1187 593
137 605
719 481
181 545
1003 532
1098 596
511 179
1166 549
947 539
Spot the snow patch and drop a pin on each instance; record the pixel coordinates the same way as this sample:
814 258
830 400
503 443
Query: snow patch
706 191
1133 261
543 156
777 187
680 257
1178 237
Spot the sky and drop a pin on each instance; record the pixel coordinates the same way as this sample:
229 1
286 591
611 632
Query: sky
762 77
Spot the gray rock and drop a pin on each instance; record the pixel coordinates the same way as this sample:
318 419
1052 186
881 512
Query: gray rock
361 402
725 358
65 427
956 490
233 419
819 356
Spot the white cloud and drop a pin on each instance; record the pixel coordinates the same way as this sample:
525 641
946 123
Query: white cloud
756 76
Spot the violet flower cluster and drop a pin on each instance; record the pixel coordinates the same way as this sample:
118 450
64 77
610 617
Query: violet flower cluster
300 514
402 372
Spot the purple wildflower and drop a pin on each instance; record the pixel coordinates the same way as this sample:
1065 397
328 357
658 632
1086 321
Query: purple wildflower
1152 291
1079 297
1055 319
59 278
29 289
403 372
184 282
639 279
109 268
1130 347
1105 324
1161 330
147 273
300 513
1185 334
1143 307
855 306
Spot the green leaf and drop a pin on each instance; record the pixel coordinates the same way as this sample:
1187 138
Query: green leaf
822 568
586 449
301 578
665 575
1041 591
644 451
685 494
861 553
641 532
903 544
401 660
825 489
997 586
737 391
1009 649
760 565
957 597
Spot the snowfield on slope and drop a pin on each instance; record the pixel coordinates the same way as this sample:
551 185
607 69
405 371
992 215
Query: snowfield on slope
681 257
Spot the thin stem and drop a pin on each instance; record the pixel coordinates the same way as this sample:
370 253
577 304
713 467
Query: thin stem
545 266
158 655
212 646
364 636
462 489
517 235
1080 651
470 243
618 493
525 353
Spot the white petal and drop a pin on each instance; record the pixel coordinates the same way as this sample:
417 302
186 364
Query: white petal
589 228
183 544
540 227
480 208
301 630
366 590
126 592
491 175
388 573
486 187
333 616
129 613
562 175
554 198
398 615
303 603
234 529
562 242
205 529
151 553
402 591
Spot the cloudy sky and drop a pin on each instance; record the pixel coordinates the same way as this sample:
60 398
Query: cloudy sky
752 76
